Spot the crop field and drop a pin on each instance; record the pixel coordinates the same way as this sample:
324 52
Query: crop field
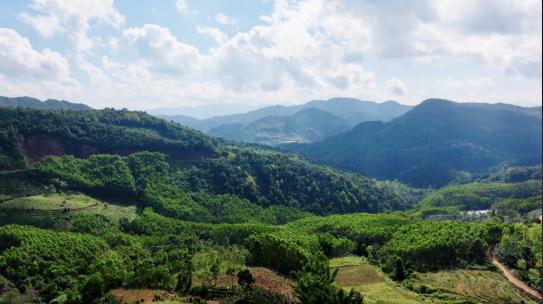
52 207
468 286
355 272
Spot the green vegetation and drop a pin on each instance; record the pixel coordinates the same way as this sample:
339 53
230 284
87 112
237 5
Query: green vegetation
476 196
428 245
520 249
266 178
516 207
315 285
193 216
432 142
56 209
44 132
465 286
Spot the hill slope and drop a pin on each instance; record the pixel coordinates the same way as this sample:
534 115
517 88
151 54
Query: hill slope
33 103
307 125
428 144
190 161
29 134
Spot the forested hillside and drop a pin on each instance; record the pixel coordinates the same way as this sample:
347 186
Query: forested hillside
432 143
154 208
29 134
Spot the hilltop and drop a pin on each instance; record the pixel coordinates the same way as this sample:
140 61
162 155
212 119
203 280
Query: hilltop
430 143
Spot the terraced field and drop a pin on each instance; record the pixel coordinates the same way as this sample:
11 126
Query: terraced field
50 208
455 286
468 286
355 272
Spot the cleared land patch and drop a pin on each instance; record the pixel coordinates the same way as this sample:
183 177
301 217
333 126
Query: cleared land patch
264 278
374 286
54 207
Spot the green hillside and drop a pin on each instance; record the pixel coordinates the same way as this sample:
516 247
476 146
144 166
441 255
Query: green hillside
431 143
29 134
50 209
171 212
476 196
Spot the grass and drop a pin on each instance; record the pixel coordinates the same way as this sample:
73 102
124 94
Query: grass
56 206
467 286
453 286
347 261
356 273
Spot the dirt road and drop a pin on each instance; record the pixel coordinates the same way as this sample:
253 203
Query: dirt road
534 294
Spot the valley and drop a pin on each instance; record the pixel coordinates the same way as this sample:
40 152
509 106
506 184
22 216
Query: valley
117 206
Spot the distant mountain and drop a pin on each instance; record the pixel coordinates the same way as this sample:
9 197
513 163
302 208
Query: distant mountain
204 111
304 126
427 145
355 111
33 103
274 125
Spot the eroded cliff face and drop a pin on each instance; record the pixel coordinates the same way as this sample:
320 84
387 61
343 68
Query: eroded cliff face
37 146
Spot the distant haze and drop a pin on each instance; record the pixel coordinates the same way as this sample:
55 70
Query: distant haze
203 112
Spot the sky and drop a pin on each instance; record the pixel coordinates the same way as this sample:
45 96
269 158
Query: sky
187 53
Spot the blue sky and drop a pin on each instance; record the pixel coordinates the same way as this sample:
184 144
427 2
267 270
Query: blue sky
178 53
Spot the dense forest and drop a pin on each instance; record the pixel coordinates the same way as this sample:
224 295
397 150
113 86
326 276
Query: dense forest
164 208
81 133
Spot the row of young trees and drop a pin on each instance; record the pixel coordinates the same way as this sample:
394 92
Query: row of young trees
79 268
520 248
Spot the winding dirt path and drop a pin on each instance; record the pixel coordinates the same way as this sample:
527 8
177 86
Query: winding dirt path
532 293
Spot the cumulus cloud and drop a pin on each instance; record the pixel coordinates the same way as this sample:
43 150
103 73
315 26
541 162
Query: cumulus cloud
72 17
19 59
162 50
396 86
317 49
311 49
26 71
213 32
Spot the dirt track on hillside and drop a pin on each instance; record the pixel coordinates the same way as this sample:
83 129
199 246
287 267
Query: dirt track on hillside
534 294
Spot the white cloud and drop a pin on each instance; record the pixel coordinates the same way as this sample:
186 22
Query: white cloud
26 71
19 59
311 49
396 86
217 35
225 19
182 6
162 50
318 49
72 17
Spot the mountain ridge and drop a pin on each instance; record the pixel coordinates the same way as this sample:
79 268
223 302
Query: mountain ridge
34 103
440 134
